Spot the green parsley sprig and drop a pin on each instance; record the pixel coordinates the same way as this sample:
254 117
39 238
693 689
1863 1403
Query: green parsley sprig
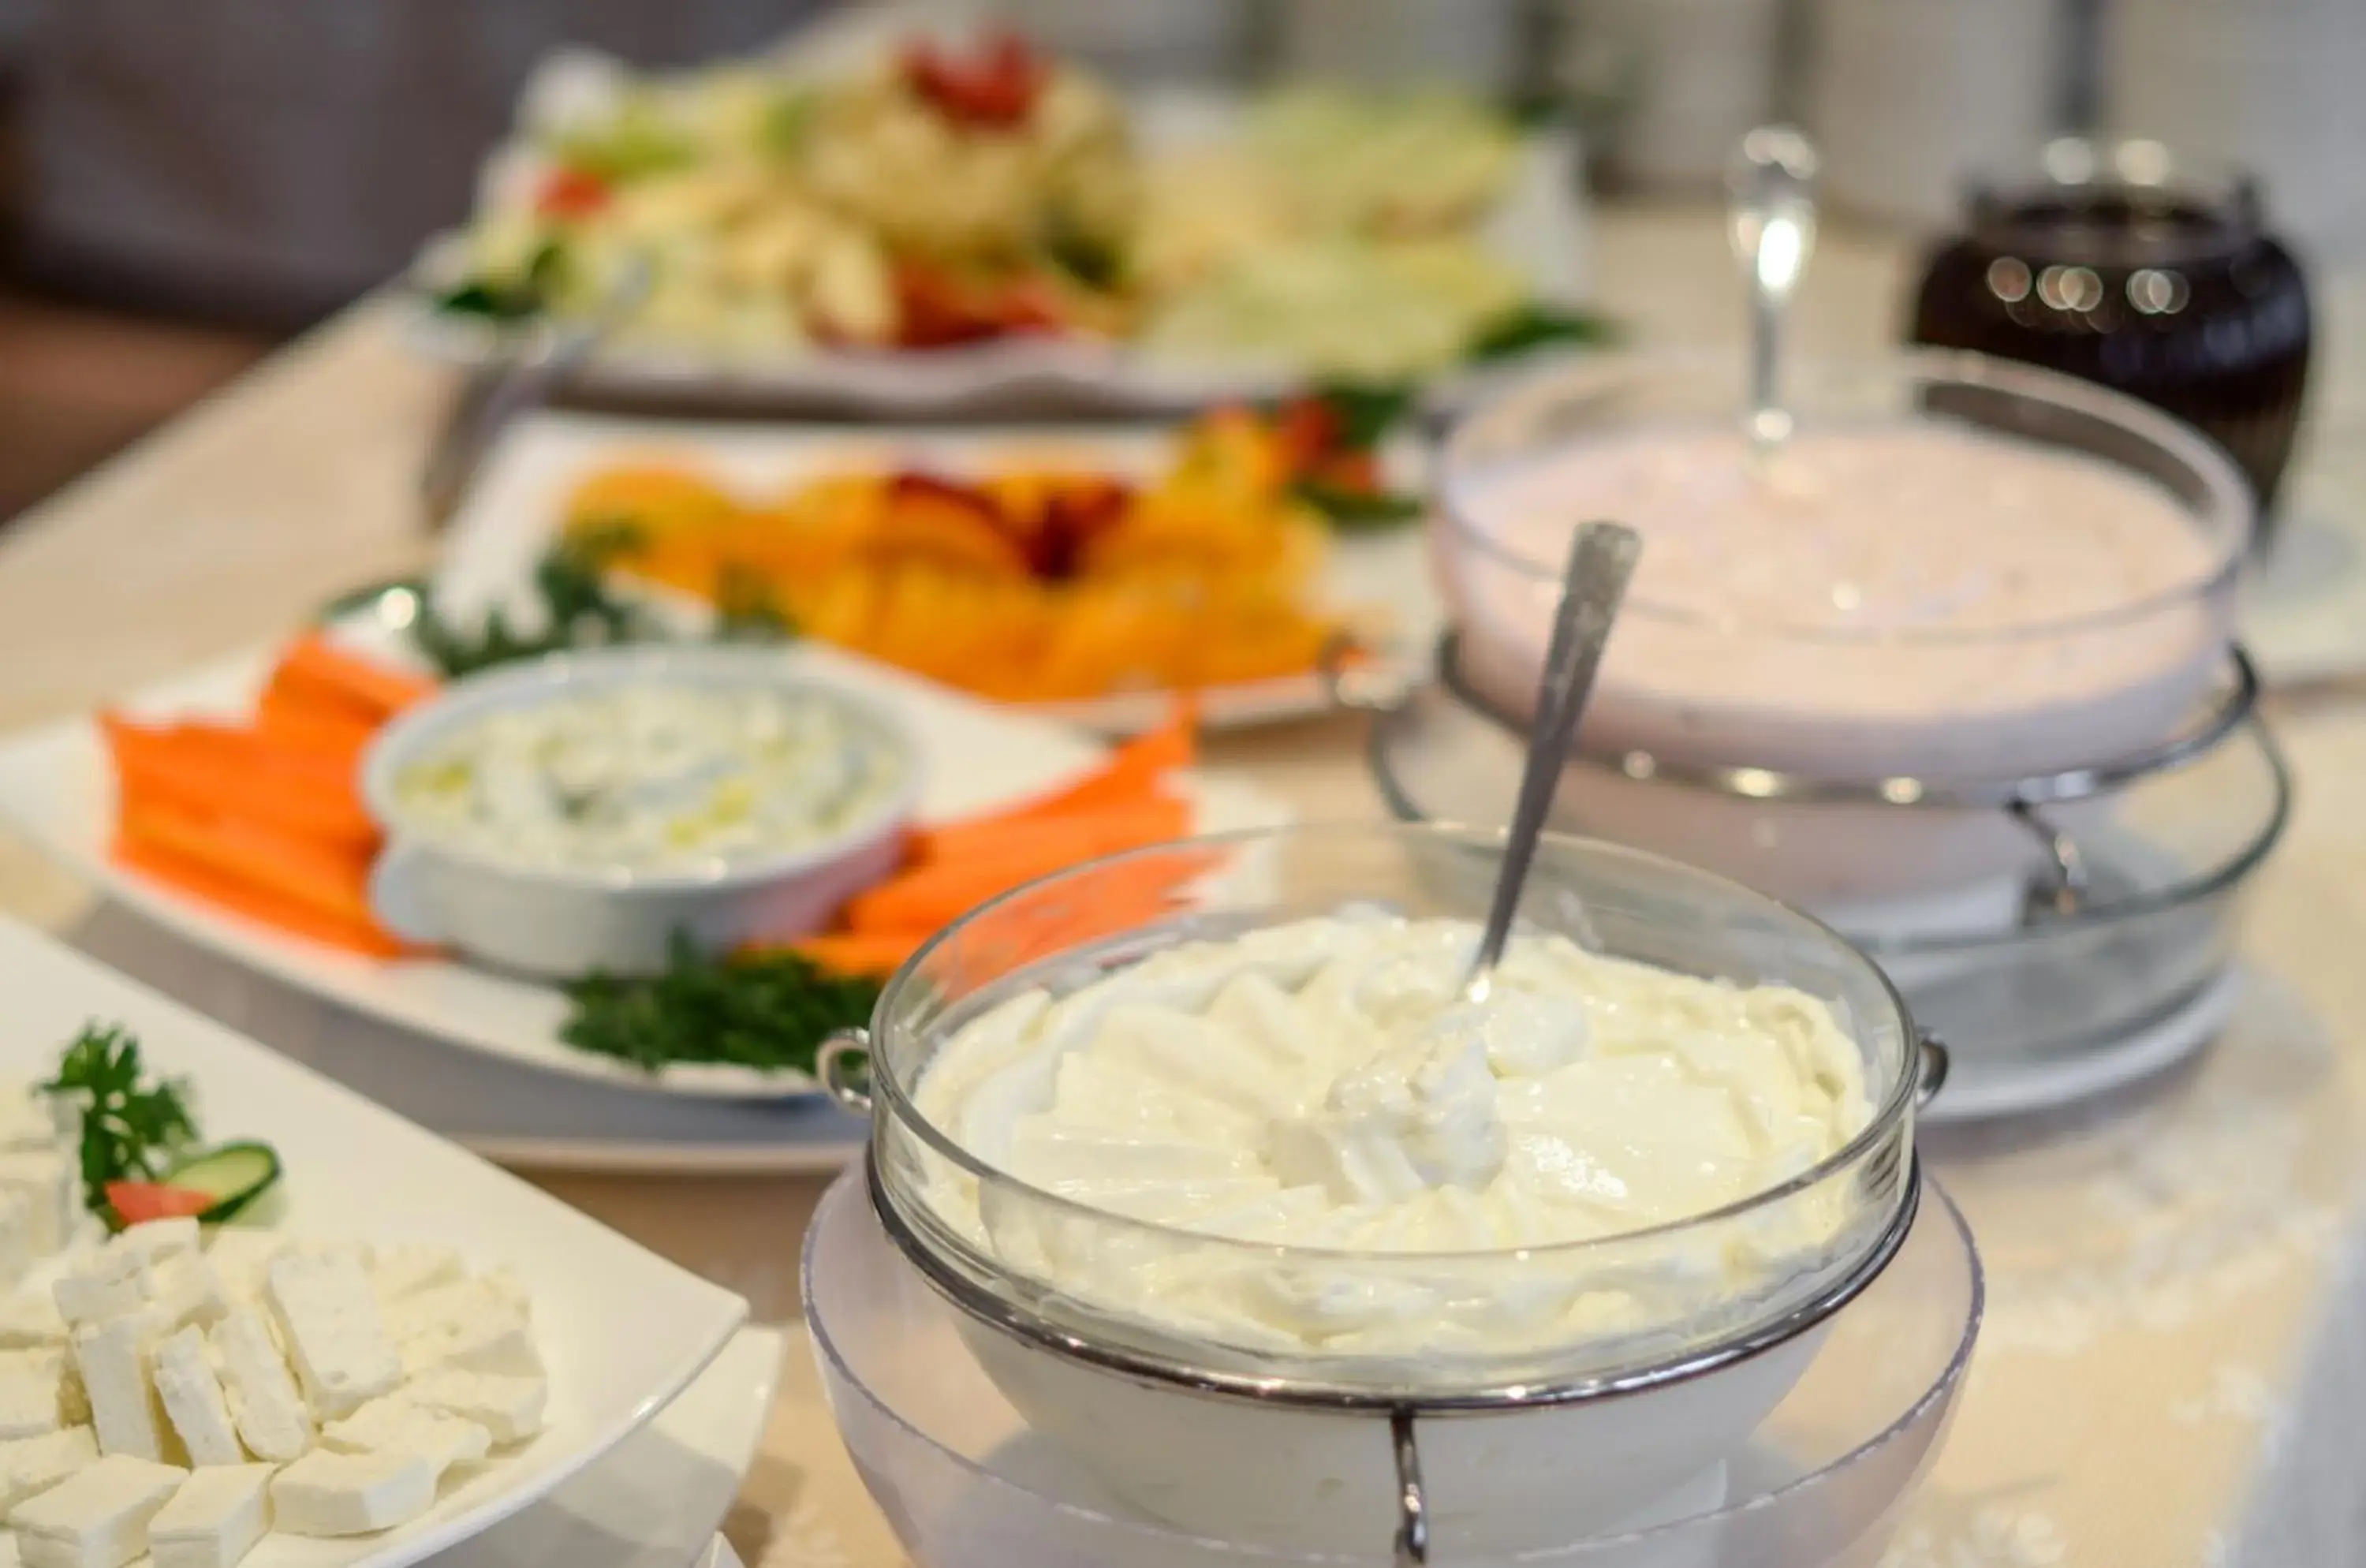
132 1129
767 1011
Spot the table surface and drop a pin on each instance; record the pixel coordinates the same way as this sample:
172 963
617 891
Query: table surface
2171 1373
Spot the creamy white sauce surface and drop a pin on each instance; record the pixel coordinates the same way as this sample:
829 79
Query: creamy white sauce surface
1913 596
650 776
1904 527
1319 1085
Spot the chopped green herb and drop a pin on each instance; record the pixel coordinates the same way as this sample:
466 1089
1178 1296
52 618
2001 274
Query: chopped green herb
1533 326
1356 510
507 299
578 609
771 1011
1367 410
132 1129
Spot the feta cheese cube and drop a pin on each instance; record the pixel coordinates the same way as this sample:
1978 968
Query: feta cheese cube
402 1271
240 1257
30 1119
476 1325
376 1425
152 1241
30 1318
264 1402
30 1466
16 1253
192 1398
214 1519
508 1407
35 1395
112 1284
54 1186
334 1333
395 1422
113 1358
329 1494
184 1288
97 1517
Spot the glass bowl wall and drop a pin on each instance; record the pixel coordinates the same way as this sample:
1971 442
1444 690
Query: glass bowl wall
965 1482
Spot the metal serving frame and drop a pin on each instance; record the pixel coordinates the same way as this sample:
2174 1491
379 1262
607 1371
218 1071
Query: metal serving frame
2061 889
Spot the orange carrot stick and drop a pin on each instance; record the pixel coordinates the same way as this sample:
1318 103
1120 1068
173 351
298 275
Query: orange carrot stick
297 716
312 662
255 903
864 954
937 891
1131 771
240 749
199 776
1123 824
329 879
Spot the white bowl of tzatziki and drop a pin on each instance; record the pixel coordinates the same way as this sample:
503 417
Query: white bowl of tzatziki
588 811
1211 1193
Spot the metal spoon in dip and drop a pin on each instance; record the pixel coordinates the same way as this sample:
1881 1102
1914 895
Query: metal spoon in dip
1770 218
1602 558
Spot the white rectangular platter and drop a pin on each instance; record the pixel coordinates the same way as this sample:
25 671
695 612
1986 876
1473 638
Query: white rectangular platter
622 1331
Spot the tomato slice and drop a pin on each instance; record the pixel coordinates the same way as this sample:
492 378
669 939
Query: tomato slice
995 89
571 192
137 1203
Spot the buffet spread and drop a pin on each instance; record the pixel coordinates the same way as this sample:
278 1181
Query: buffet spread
1212 1192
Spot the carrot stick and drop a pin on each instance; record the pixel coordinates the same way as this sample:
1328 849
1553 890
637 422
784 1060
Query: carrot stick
864 954
1123 825
255 903
1131 773
199 776
326 878
312 662
240 748
937 891
298 717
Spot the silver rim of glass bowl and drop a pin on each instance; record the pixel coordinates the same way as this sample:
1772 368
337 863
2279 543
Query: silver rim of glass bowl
843 1068
2063 888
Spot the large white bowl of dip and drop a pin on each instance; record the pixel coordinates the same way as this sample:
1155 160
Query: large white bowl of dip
1956 572
1210 1185
592 811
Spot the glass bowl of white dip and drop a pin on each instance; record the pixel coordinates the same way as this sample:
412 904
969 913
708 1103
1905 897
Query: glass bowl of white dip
1956 572
588 811
1226 1187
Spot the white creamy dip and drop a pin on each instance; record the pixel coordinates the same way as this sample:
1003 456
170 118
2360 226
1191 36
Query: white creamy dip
653 776
1916 597
1319 1085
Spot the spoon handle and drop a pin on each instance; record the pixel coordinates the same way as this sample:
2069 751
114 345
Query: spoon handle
1771 222
1602 558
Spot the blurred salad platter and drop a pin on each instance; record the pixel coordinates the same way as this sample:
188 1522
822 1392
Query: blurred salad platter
946 217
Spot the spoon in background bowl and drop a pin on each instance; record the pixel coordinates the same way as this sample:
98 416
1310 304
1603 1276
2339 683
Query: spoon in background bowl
1602 558
1770 220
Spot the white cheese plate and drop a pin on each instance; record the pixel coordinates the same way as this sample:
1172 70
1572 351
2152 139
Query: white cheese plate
57 785
655 1500
1379 579
621 1330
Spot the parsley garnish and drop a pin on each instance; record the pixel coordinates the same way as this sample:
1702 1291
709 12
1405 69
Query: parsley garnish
1533 326
579 610
767 1011
130 1129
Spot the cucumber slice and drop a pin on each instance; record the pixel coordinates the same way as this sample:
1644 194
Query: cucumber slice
234 1174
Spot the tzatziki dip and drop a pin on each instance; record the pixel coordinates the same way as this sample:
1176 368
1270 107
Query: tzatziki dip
656 776
1322 1084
